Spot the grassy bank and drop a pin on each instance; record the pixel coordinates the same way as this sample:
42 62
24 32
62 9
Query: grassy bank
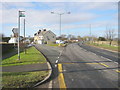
22 80
31 57
105 46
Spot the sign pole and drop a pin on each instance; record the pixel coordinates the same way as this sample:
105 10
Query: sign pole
19 36
24 37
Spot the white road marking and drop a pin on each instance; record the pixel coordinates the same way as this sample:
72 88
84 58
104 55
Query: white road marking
106 58
116 62
72 79
64 70
109 60
50 84
55 65
56 61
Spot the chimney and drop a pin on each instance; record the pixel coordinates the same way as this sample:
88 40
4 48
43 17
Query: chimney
44 30
35 34
39 30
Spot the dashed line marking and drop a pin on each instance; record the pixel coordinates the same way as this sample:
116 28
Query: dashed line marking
61 78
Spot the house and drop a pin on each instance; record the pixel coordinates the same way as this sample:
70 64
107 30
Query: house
44 37
14 36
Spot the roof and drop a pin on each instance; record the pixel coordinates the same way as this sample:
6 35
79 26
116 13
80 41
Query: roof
42 33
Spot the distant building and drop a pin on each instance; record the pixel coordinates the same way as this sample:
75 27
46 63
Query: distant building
44 37
13 40
14 37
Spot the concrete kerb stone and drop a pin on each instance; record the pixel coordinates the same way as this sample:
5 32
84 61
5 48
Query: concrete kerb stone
50 71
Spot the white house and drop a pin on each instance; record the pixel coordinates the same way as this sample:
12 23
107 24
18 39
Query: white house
13 40
44 37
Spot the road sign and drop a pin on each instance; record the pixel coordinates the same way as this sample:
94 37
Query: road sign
15 30
22 14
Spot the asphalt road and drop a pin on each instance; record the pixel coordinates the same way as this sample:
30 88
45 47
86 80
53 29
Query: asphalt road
107 54
79 66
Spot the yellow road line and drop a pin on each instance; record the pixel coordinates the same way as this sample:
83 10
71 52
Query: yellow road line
80 63
68 63
104 64
91 63
61 78
117 71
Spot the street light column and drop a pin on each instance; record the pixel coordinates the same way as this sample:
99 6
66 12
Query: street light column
60 29
60 24
60 14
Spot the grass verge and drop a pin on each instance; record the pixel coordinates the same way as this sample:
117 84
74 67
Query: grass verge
22 80
105 46
31 57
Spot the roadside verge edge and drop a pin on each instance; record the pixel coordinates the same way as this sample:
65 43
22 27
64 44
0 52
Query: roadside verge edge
50 70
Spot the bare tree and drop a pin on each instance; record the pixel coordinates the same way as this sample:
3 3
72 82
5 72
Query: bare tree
110 34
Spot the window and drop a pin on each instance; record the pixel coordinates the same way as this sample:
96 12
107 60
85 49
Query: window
48 38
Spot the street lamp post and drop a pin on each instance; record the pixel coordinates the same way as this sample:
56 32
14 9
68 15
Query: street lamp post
60 14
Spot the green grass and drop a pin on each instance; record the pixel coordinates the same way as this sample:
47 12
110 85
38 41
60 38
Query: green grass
52 44
31 57
22 80
105 46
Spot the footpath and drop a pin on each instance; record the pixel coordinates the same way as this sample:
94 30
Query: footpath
26 68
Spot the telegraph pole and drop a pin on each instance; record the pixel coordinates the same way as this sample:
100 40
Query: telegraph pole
90 32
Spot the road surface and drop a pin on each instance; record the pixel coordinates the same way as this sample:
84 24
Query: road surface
79 66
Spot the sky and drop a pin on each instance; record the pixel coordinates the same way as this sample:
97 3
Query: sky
99 15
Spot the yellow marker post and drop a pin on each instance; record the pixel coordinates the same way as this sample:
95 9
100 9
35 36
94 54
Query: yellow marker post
61 78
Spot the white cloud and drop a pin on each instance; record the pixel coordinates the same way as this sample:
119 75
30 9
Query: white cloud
44 19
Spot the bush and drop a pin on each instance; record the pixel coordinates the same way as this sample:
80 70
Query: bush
101 39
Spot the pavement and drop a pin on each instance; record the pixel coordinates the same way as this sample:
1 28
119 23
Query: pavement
26 68
79 67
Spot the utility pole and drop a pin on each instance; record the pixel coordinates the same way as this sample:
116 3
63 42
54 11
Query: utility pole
90 32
